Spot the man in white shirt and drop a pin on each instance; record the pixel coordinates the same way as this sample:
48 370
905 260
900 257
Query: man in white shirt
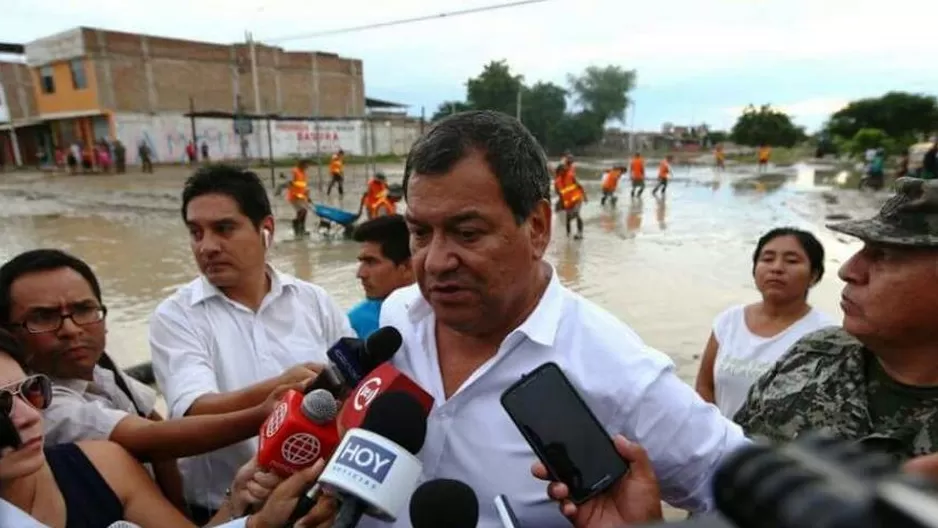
226 340
487 309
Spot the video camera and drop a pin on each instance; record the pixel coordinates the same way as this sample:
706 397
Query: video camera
817 482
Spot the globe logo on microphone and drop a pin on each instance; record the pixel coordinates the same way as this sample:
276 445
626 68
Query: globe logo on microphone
276 419
300 449
366 393
366 461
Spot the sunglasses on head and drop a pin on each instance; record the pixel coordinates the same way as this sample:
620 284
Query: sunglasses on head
35 390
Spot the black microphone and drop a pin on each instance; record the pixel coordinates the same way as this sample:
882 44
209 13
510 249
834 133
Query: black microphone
444 502
351 359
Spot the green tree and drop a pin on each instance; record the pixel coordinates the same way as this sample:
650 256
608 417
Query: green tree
542 107
449 107
603 92
869 138
716 136
765 125
575 130
897 114
496 88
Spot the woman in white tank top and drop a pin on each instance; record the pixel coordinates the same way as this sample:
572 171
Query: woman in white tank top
747 340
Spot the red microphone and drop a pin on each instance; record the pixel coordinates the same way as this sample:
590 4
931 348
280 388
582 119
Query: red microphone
300 431
385 378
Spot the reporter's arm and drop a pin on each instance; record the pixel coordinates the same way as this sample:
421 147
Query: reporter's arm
143 503
705 385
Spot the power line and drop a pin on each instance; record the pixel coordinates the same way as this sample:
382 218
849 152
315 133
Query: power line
448 14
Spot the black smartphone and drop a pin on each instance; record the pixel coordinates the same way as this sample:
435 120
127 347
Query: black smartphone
563 432
9 436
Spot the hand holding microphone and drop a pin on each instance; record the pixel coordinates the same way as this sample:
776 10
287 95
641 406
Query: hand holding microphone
300 430
352 359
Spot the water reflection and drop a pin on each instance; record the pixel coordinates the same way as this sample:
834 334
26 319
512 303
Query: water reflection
668 284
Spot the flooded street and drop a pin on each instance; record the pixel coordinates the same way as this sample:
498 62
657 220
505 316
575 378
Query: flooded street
667 267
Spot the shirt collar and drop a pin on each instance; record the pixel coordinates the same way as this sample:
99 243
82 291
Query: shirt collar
80 386
540 326
204 290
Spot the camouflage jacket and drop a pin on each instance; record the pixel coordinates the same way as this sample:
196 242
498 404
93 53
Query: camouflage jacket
821 385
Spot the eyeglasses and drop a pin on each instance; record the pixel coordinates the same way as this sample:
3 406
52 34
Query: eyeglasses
35 390
41 321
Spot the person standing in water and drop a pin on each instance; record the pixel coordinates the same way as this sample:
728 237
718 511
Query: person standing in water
611 184
298 196
571 194
765 152
720 158
638 175
664 174
747 340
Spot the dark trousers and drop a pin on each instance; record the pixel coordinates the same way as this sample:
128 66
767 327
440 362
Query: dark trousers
336 180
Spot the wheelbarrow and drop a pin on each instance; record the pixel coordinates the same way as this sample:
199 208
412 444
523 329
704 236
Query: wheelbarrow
333 220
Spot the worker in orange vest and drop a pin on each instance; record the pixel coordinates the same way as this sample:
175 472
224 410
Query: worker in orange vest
376 200
571 194
765 152
298 196
664 174
610 184
337 170
638 175
720 157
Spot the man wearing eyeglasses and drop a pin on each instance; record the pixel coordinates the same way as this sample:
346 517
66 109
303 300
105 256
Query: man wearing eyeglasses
52 302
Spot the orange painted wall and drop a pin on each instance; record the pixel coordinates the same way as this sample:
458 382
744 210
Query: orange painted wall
65 98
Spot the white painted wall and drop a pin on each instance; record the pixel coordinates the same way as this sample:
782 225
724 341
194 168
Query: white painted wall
168 134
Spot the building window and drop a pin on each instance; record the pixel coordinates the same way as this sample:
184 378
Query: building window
79 81
48 79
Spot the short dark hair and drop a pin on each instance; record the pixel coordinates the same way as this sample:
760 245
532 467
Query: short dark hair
509 149
391 232
809 243
34 261
12 346
242 186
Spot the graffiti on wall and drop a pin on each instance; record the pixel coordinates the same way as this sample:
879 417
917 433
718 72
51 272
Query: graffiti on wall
168 135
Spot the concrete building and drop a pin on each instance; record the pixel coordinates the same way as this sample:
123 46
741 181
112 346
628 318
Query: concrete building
19 116
92 84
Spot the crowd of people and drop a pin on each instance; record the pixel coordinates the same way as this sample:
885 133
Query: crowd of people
462 276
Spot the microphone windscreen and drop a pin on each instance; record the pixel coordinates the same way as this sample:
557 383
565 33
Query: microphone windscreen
381 346
320 406
123 524
444 502
399 417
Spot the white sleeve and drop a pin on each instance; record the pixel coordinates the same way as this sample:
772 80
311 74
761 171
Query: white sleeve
336 324
70 418
181 364
686 438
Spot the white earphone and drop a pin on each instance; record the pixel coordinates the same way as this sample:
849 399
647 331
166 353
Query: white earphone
266 234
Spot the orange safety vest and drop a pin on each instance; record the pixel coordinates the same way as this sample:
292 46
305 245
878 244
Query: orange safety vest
335 166
719 154
377 202
664 170
298 189
611 180
638 169
569 190
764 154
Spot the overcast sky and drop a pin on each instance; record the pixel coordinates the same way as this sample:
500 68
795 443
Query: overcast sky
697 60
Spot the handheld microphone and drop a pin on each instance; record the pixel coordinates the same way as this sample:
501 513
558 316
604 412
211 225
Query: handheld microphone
351 359
374 469
384 379
299 431
444 502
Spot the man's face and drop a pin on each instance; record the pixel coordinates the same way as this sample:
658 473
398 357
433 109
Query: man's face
891 296
380 275
41 298
473 262
225 243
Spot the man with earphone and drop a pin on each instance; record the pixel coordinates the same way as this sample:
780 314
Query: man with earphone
229 338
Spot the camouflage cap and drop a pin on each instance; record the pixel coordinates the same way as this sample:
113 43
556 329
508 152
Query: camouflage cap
910 218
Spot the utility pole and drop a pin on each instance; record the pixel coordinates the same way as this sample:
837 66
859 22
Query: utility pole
423 118
255 84
316 112
17 157
518 103
192 121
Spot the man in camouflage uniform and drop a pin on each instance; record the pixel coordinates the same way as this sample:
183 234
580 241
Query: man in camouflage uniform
876 379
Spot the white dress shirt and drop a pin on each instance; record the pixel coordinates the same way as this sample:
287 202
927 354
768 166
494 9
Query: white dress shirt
90 410
204 343
13 517
631 389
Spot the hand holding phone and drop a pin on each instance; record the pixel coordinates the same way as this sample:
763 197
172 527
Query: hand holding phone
563 432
